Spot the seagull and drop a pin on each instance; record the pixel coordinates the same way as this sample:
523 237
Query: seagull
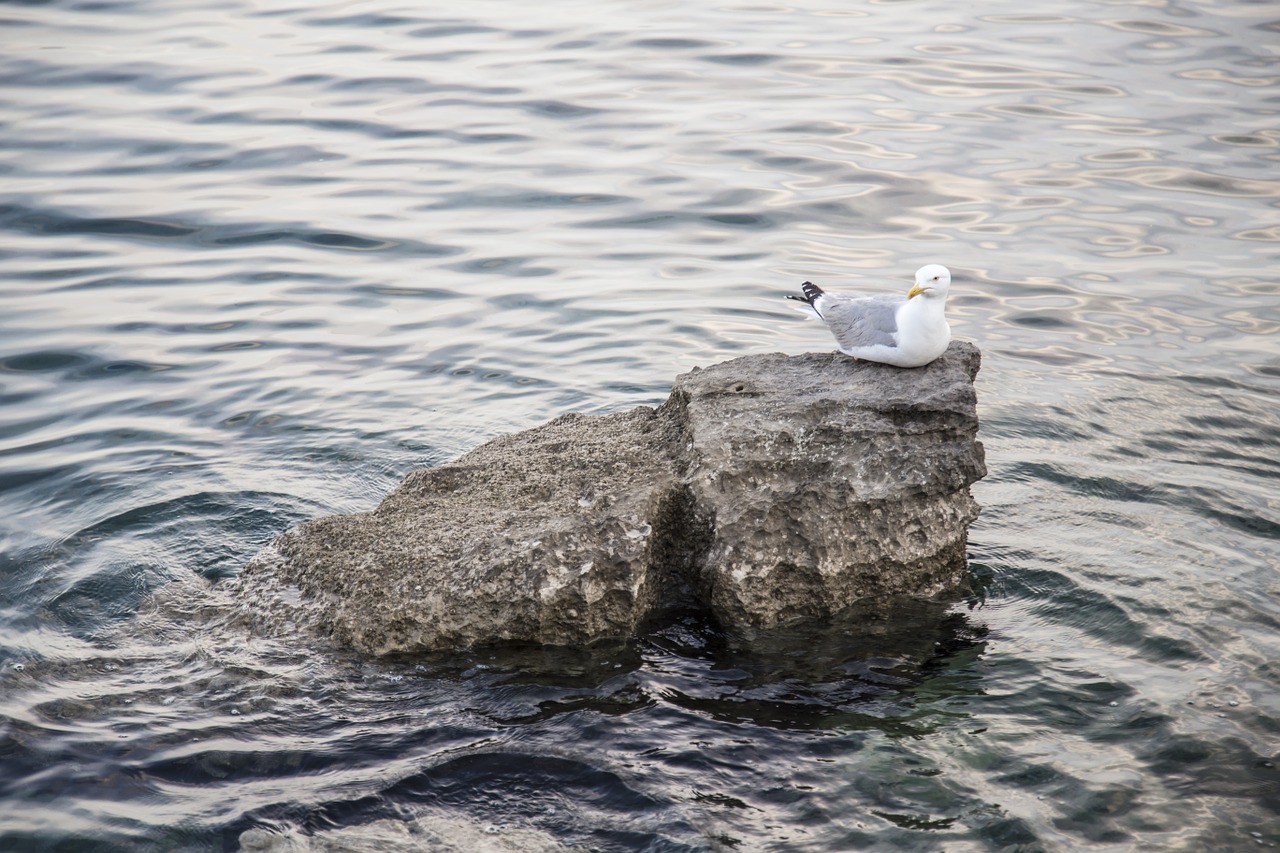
905 331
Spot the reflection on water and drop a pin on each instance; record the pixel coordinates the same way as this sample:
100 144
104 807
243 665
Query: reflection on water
261 261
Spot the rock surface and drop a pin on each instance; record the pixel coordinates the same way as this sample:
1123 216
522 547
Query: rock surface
770 489
830 480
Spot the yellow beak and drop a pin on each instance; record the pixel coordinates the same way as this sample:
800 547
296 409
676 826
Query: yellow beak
916 290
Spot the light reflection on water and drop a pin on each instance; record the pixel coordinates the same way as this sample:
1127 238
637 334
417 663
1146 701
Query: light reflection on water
260 262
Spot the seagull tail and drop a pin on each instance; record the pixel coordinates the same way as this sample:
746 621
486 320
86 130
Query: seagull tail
811 294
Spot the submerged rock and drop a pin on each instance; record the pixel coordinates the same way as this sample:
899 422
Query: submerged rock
770 489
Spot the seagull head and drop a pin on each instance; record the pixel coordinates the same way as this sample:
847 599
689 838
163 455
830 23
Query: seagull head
932 281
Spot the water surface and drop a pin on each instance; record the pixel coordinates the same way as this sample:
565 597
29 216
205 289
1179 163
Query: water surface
258 261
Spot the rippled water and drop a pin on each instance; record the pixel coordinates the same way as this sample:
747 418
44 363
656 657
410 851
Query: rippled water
258 261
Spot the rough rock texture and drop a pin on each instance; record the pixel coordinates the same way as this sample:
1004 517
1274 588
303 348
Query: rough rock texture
829 480
560 534
769 488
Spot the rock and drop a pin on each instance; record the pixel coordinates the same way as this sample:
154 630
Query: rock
770 489
559 534
830 480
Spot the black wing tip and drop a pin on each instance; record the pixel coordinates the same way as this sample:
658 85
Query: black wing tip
811 292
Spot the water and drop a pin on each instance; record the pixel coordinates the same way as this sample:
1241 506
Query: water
258 261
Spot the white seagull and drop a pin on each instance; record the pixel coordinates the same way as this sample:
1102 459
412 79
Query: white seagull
905 331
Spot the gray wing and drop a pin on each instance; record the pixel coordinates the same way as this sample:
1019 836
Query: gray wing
861 321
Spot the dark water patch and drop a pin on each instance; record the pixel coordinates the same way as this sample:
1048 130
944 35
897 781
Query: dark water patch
440 57
115 282
1188 180
1014 424
333 239
1060 599
451 30
105 596
874 677
78 366
124 227
678 219
42 362
1157 27
1029 19
656 220
42 223
482 375
558 109
907 821
371 20
23 479
147 77
102 6
325 240
1031 776
255 238
1246 463
1094 89
14 399
1219 389
123 574
137 326
406 85
740 257
369 128
309 81
1108 488
1093 817
671 44
62 272
1134 725
742 59
226 763
811 165
535 780
430 294
275 157
517 200
510 266
238 345
1067 702
1223 768
743 220
1219 506
109 369
1041 320
460 771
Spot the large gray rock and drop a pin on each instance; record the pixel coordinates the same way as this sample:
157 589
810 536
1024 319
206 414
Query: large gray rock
770 489
829 480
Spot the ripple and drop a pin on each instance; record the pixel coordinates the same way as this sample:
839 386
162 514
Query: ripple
123 227
54 224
